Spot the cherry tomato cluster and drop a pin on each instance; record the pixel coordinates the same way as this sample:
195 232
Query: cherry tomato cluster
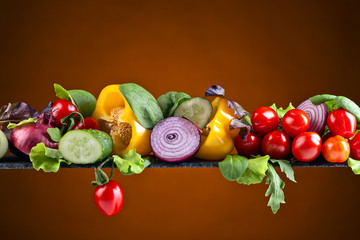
62 108
279 137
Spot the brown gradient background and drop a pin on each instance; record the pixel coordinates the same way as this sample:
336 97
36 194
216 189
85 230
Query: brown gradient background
260 52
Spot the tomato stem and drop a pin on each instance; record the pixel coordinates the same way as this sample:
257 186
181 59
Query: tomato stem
101 177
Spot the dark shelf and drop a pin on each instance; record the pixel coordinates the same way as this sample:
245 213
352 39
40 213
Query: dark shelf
13 162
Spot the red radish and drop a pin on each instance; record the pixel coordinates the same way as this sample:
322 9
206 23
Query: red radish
175 139
28 135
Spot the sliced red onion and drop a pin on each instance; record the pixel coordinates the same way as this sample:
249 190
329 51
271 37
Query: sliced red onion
175 139
317 114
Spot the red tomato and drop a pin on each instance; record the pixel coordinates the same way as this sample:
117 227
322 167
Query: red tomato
294 122
250 146
62 108
306 147
355 147
336 149
89 123
341 122
264 120
276 144
109 198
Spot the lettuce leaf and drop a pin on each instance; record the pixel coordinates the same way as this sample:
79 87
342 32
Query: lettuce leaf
275 190
130 163
14 125
256 171
355 165
280 111
47 159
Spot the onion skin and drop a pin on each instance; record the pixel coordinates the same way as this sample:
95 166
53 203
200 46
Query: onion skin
28 135
175 139
317 114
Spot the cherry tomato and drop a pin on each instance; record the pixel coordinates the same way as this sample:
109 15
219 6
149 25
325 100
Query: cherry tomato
109 198
89 123
264 120
62 108
276 144
355 147
294 122
341 122
306 146
336 149
251 145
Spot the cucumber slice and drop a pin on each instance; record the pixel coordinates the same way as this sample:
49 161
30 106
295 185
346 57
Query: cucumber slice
198 110
85 146
4 144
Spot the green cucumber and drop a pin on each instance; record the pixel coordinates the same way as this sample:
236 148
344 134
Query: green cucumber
4 144
198 110
85 146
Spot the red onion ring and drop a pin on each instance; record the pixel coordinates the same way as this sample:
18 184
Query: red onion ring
175 139
317 114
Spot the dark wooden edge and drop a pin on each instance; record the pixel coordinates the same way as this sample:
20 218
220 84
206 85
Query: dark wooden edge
13 162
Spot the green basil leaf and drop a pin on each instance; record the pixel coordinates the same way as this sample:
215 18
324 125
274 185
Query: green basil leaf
170 101
143 104
255 172
129 163
45 158
355 165
321 98
348 105
84 101
62 93
280 111
55 134
331 105
285 167
233 166
14 125
275 190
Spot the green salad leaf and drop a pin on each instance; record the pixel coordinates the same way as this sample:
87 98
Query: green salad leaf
280 111
233 166
275 190
45 158
256 171
168 102
355 165
143 104
130 163
55 134
84 101
285 167
14 125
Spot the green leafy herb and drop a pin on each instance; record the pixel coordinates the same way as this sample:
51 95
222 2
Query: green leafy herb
280 111
275 190
83 100
55 134
130 163
355 165
348 105
170 101
255 172
233 166
285 167
143 104
14 125
45 158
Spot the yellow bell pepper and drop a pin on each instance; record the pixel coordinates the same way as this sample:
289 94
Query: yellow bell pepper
116 117
217 138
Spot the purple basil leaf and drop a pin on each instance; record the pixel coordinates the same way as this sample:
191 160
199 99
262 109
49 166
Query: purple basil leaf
215 90
16 111
238 109
48 108
238 124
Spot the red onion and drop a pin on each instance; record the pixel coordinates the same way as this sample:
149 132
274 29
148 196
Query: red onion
317 115
175 139
28 135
